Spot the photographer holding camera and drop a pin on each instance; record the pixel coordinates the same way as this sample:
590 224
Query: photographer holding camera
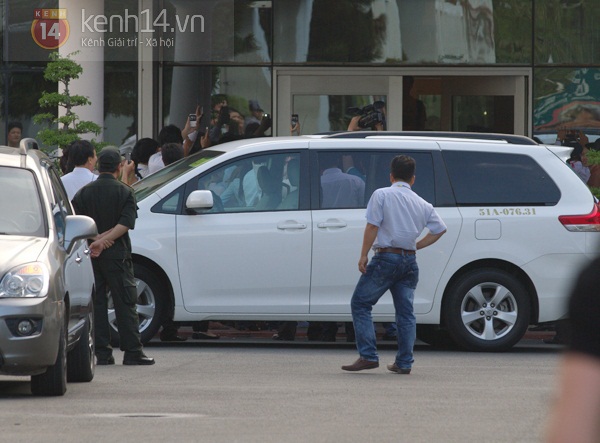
566 137
229 125
369 117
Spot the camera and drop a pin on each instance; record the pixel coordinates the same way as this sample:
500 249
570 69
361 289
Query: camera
571 135
294 120
371 114
192 118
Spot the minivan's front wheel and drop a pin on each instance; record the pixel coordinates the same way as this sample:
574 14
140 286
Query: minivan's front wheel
151 305
487 310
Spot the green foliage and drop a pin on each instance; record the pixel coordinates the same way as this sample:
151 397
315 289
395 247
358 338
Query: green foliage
593 157
53 99
64 129
53 137
62 69
596 192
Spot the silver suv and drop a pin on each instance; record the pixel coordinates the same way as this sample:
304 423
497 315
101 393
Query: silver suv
46 276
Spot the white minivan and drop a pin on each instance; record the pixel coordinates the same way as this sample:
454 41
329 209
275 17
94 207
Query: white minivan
242 231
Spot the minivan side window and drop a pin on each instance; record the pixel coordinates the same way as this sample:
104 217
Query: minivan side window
498 179
267 182
347 179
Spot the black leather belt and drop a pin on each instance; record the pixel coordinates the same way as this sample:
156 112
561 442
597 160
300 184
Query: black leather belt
396 251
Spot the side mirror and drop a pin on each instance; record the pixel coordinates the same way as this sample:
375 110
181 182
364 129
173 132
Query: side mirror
198 200
78 227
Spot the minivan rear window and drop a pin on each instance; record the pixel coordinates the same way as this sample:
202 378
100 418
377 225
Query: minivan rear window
498 179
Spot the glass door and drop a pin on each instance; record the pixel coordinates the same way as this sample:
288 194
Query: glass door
324 101
473 100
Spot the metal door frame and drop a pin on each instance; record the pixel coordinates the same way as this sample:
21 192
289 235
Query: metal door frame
289 81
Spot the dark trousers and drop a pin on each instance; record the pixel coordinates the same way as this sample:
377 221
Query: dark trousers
117 276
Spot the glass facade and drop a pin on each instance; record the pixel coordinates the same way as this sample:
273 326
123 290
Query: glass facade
402 31
201 49
567 32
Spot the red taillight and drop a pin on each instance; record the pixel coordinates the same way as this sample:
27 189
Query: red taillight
582 223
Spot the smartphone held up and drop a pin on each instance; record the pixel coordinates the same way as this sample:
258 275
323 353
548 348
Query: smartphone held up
295 125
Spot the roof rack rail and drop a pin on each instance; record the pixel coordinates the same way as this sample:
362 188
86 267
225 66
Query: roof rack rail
509 138
26 144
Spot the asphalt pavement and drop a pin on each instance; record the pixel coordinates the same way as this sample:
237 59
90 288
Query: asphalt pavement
249 389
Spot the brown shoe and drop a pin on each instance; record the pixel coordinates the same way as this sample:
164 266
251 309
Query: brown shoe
361 364
398 370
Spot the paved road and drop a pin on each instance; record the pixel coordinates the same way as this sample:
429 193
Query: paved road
263 391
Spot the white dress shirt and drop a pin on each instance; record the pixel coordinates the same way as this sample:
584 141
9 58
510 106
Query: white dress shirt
401 215
341 190
77 179
155 163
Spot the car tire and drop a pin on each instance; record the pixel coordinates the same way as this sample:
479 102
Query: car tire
53 382
486 310
152 305
81 361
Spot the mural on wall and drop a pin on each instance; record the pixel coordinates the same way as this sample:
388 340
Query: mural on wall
574 102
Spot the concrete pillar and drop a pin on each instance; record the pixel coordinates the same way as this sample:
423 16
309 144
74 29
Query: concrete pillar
91 59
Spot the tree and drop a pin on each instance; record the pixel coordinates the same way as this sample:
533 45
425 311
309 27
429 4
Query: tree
64 129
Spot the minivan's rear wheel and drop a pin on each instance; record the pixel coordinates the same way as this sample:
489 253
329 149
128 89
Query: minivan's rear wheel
151 305
487 310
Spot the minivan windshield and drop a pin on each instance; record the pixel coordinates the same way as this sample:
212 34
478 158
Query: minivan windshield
155 181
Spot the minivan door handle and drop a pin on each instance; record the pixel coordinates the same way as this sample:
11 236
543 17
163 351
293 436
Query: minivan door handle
332 224
290 225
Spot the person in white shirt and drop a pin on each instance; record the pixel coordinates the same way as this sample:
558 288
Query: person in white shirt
168 134
143 149
396 217
83 155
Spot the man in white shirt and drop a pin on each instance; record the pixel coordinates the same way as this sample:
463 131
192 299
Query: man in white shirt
396 217
83 155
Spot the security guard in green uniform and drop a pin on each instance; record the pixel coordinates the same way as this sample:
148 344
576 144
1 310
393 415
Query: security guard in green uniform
112 205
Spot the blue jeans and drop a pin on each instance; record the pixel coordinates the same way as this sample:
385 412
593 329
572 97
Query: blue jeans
400 274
